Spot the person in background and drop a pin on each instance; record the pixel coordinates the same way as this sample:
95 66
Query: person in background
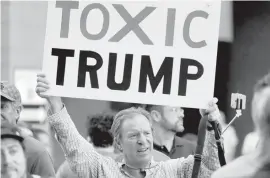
167 121
255 164
39 161
13 158
98 133
230 139
250 142
44 138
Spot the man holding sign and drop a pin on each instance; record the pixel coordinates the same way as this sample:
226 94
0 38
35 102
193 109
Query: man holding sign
123 52
132 135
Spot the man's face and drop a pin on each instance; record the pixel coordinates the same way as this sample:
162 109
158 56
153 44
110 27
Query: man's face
172 118
13 161
8 111
137 140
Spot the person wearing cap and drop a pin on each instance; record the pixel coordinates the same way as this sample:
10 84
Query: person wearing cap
13 159
39 161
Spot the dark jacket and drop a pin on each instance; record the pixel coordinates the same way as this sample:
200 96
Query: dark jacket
181 148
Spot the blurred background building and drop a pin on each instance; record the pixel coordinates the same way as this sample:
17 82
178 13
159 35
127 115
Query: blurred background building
243 57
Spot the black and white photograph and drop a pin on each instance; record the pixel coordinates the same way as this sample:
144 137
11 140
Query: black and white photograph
135 89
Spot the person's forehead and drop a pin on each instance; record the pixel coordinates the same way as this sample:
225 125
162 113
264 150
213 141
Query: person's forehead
135 122
9 142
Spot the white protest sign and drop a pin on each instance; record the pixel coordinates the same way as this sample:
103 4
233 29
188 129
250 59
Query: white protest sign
161 52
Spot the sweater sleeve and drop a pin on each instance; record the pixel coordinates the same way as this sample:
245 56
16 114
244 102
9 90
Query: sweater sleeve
80 154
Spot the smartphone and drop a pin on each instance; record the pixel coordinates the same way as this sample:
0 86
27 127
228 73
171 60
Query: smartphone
238 101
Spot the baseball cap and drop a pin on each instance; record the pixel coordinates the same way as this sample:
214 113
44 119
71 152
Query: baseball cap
10 131
10 92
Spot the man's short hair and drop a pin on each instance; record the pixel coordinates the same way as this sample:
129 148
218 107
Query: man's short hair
99 130
136 105
150 107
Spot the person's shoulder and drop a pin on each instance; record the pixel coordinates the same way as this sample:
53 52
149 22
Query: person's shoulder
184 142
159 156
239 167
181 140
252 136
31 141
32 145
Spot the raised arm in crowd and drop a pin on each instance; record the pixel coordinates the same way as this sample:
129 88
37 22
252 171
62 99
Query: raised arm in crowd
132 134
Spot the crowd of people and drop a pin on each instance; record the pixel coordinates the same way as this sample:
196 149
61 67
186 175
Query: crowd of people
136 142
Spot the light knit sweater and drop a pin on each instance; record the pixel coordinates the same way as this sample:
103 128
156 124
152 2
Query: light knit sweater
87 163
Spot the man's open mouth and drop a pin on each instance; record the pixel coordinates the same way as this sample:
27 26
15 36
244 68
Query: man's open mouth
142 150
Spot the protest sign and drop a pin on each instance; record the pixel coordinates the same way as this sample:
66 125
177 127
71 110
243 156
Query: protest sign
161 52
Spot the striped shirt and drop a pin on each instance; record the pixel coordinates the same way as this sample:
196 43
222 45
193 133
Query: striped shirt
87 163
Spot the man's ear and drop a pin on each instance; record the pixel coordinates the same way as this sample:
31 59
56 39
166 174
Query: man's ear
118 145
156 115
18 113
19 110
89 139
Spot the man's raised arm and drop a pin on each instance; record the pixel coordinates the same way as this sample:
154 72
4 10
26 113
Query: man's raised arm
80 154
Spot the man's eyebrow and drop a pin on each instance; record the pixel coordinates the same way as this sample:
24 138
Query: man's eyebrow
132 131
136 131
